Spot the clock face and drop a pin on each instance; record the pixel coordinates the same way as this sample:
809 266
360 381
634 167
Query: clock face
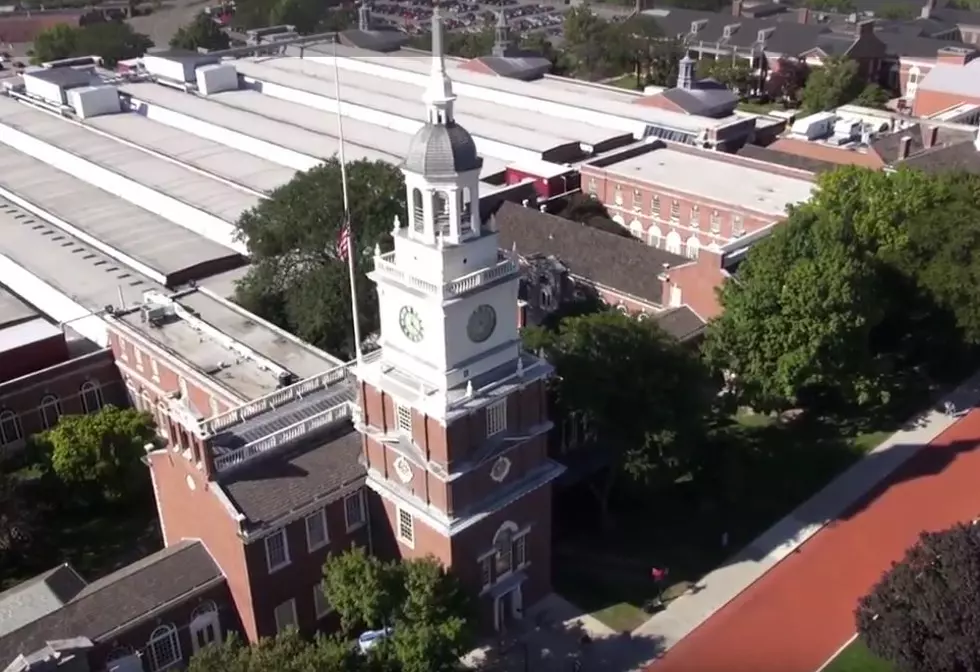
500 469
481 324
411 324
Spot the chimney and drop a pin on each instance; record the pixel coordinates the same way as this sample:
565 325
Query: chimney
927 9
929 137
737 8
903 147
803 15
866 27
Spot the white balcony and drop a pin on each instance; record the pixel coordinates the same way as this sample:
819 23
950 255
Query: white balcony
386 265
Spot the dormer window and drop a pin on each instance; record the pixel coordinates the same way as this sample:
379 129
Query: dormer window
730 30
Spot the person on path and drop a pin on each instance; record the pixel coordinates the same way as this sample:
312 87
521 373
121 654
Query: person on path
659 575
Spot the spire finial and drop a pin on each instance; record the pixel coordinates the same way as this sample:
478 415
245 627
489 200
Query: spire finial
396 224
469 389
439 94
377 250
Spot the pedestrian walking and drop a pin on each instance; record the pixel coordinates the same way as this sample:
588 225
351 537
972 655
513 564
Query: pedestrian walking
659 575
949 407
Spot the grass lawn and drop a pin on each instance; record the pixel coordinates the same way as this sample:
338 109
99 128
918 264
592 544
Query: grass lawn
624 82
96 540
765 469
857 658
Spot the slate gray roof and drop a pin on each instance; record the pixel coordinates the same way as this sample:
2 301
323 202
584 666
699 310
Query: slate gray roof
438 150
960 156
681 323
319 468
524 66
619 263
121 598
786 159
374 40
707 98
37 597
888 146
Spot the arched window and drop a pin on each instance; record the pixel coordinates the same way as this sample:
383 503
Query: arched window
91 397
654 235
623 309
619 220
418 211
503 550
673 242
204 626
636 229
642 316
693 247
10 429
440 212
50 411
163 648
466 199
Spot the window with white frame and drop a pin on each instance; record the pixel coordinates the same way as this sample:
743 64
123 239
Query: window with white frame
403 418
182 383
715 222
592 186
738 225
320 602
91 397
10 429
618 195
123 354
213 403
503 552
138 355
695 221
637 200
655 206
155 370
354 510
277 550
50 411
285 615
520 550
316 530
496 417
205 628
406 527
486 571
675 211
163 648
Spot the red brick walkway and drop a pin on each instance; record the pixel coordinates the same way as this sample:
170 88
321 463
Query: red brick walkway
800 612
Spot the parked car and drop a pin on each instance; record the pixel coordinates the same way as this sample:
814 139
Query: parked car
368 640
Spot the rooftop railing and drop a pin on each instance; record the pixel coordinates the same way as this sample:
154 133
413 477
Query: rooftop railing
506 265
283 436
286 395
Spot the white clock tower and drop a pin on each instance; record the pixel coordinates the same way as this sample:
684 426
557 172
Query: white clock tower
453 413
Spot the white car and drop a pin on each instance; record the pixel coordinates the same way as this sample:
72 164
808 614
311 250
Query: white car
369 639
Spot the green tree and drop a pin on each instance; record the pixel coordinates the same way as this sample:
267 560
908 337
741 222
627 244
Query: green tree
101 450
296 279
287 652
428 613
459 44
736 75
872 95
642 395
538 43
834 84
787 79
923 613
113 41
201 33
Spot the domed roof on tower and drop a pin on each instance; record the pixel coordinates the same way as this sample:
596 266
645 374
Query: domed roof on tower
441 147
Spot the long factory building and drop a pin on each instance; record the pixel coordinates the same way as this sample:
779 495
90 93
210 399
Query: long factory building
111 185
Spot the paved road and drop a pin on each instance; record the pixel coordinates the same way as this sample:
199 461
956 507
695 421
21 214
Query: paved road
799 613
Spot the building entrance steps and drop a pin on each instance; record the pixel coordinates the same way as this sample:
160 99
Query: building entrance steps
722 585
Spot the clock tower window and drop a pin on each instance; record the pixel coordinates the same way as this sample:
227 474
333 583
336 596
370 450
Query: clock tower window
403 418
418 211
406 528
496 418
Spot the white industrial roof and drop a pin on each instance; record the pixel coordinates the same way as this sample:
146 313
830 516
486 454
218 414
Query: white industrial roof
405 104
25 333
212 157
755 190
95 281
150 240
578 87
301 129
962 80
12 309
585 100
520 127
166 177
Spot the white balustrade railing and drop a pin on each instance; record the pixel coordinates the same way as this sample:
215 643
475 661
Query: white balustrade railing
276 399
386 264
283 436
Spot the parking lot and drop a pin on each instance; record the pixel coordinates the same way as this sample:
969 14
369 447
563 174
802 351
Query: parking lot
413 16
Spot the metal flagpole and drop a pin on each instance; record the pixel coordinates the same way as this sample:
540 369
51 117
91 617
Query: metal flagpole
351 248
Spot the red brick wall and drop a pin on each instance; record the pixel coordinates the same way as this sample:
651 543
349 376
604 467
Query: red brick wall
930 102
698 283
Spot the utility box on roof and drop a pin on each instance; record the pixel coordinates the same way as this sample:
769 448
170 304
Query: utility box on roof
52 84
92 101
216 78
176 65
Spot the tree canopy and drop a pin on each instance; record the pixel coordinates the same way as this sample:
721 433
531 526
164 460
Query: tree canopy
101 450
203 32
308 16
835 83
428 613
924 613
641 394
297 280
114 41
855 291
596 48
287 652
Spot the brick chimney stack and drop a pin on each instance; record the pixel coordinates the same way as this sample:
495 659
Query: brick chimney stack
866 27
803 15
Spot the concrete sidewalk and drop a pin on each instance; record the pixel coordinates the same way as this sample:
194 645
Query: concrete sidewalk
721 586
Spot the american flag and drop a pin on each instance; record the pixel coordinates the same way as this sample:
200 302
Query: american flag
343 241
